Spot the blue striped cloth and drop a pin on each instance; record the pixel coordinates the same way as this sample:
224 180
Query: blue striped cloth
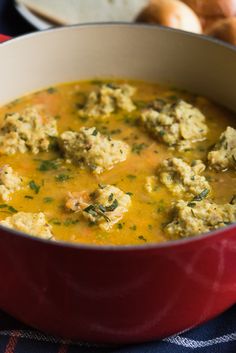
216 336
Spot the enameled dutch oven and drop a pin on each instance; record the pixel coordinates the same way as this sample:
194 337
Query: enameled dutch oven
117 294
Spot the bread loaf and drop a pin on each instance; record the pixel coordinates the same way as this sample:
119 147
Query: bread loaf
212 8
224 30
170 13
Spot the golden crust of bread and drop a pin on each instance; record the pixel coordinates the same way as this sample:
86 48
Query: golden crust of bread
170 13
208 21
212 8
225 30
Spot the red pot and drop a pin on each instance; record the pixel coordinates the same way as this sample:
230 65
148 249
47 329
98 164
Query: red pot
117 294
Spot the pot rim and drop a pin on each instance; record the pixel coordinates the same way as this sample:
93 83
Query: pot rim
151 246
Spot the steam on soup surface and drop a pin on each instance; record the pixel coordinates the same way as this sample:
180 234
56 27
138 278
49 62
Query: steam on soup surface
116 162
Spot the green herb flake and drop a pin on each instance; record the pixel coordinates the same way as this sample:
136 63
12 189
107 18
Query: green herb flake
70 222
47 165
33 186
172 97
119 225
131 176
202 195
91 210
233 200
110 197
133 227
54 146
96 82
115 131
102 208
101 186
191 204
51 90
95 212
140 104
138 147
161 132
95 132
48 199
141 237
112 207
62 177
209 178
55 221
12 209
3 205
129 120
83 118
28 197
129 193
161 206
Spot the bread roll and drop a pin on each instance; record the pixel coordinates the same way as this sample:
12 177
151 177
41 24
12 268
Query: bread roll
225 30
209 21
171 13
212 8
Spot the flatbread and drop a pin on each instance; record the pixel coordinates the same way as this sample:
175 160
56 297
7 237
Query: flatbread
69 12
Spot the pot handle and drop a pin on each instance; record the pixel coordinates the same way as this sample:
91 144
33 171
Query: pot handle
4 38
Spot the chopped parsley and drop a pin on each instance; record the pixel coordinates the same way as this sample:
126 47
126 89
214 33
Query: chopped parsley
95 132
131 176
129 193
110 197
115 131
96 82
48 199
172 97
70 222
161 206
141 237
233 200
3 205
129 120
47 165
95 212
62 177
55 221
101 186
138 147
29 197
33 186
161 132
202 195
8 208
51 90
134 227
112 207
140 104
191 204
12 209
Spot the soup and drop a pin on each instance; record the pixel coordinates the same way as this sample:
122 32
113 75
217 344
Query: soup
116 162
